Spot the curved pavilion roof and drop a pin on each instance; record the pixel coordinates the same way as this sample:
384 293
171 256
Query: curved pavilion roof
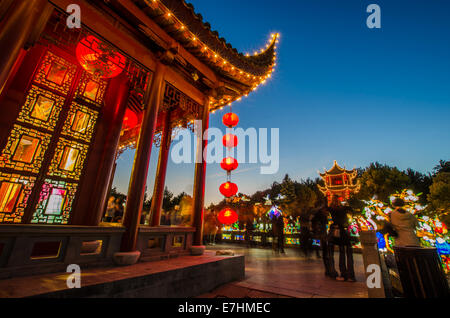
337 170
180 21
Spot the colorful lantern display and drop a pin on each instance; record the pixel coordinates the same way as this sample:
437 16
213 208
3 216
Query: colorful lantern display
230 120
274 212
430 231
227 216
229 164
98 58
228 189
230 140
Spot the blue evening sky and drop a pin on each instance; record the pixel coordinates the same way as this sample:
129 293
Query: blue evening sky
341 91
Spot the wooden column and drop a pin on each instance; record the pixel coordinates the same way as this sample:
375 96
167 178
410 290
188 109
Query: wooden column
99 171
16 27
199 179
138 179
160 179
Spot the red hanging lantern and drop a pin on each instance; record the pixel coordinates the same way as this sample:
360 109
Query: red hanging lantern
230 120
130 119
98 58
228 189
227 216
229 164
230 140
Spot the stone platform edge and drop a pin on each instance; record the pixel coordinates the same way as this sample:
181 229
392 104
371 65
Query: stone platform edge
183 282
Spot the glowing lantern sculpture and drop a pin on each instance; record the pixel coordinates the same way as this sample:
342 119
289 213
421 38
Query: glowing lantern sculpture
227 216
228 189
98 58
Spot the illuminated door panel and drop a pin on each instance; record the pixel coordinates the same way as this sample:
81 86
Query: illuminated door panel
9 192
80 122
57 73
91 90
55 202
69 159
57 121
26 149
42 108
14 193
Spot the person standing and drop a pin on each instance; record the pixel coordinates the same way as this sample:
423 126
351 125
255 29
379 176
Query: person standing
404 223
249 232
280 233
305 234
319 223
339 235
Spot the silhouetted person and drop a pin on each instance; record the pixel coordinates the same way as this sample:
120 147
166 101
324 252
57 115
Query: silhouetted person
278 233
305 234
319 228
340 236
249 232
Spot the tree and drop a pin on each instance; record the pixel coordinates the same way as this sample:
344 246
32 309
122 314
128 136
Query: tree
167 200
287 191
439 197
420 183
443 166
381 181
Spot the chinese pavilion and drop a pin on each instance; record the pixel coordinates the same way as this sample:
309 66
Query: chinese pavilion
340 182
71 99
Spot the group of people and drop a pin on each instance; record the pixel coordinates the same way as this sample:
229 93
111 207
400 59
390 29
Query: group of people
402 226
337 235
114 210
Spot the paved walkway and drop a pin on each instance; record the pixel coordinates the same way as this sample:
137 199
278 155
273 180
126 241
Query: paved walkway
269 274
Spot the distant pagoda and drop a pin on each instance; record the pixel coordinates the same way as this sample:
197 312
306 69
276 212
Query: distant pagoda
340 182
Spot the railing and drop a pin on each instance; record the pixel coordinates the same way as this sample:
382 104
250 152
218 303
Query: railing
161 242
37 249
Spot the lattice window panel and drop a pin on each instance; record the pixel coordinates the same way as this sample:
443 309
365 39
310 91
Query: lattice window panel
41 108
56 73
91 89
17 156
55 202
174 98
80 122
68 161
12 205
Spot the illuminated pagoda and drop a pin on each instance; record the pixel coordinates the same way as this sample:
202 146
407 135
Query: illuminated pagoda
73 99
339 181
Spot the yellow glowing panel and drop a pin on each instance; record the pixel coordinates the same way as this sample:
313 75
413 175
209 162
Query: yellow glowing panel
69 159
42 108
9 192
26 149
80 122
91 90
57 73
